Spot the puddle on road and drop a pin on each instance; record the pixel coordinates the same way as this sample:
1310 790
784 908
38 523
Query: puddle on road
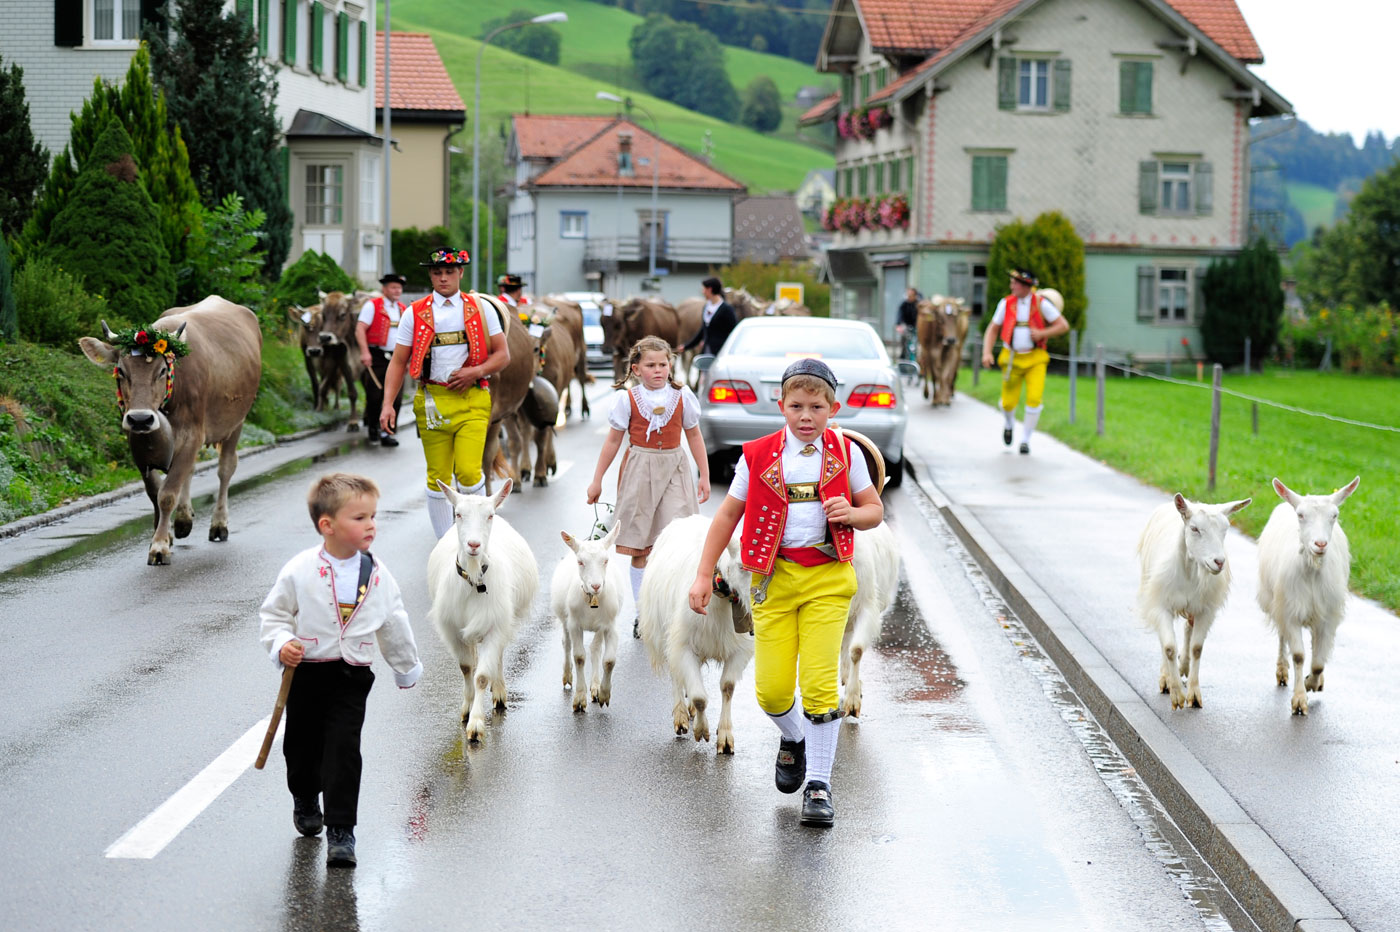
1198 883
907 644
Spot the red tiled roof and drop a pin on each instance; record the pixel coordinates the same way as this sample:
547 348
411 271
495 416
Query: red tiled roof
553 135
1223 22
823 110
419 81
594 162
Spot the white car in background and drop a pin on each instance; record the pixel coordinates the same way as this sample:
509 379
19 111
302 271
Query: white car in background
597 355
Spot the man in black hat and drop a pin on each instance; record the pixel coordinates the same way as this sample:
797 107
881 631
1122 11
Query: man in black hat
375 332
1025 322
512 290
716 321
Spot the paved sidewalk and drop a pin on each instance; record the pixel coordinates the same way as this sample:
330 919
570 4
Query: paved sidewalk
1300 816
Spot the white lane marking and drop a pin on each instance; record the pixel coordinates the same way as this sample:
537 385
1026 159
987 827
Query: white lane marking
148 837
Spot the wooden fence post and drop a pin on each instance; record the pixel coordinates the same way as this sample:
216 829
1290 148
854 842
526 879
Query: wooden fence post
1216 371
1254 416
1247 343
1073 369
976 364
1098 377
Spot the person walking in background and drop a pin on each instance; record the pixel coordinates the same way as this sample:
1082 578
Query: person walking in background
512 291
374 332
716 322
656 486
1025 322
907 323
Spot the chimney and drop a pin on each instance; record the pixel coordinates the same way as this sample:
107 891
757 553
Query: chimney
624 153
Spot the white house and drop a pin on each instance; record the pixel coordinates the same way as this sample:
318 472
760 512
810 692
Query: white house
322 53
1131 117
581 216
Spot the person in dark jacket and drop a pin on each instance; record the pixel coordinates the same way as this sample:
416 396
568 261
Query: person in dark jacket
716 322
907 325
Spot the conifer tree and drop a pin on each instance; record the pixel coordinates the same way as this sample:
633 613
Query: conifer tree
1050 249
1243 298
24 160
9 319
109 231
222 96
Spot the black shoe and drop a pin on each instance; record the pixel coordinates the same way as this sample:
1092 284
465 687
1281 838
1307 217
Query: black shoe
817 808
792 765
1006 436
340 846
1025 448
306 815
388 440
637 628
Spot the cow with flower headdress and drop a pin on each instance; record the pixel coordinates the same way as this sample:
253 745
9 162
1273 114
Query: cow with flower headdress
185 381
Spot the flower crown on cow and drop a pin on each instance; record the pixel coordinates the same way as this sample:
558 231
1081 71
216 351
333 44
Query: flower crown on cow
146 341
447 257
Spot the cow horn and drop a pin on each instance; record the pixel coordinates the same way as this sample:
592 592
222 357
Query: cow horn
107 331
179 333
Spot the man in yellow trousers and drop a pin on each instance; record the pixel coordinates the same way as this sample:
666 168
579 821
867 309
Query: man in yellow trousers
1025 320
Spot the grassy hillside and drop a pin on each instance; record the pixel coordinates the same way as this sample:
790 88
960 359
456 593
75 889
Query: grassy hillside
1317 204
593 57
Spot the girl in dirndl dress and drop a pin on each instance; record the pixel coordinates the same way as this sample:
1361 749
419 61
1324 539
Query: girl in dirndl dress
656 485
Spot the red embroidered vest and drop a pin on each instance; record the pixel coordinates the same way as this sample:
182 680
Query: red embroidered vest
478 341
1008 320
667 438
377 334
765 510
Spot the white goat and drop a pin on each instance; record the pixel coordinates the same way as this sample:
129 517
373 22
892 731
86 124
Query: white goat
876 563
680 641
1184 572
479 596
586 594
1304 568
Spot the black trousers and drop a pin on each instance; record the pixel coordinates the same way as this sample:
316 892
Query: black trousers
325 711
374 394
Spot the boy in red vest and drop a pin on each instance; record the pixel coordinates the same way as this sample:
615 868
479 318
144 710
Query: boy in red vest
375 332
1025 322
801 492
450 342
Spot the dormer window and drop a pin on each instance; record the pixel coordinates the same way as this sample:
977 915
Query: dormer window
624 154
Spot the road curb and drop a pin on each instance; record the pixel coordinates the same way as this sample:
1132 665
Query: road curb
1275 893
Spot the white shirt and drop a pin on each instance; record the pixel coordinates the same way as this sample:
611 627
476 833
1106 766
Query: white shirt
711 308
367 318
510 302
806 521
664 397
447 317
1021 340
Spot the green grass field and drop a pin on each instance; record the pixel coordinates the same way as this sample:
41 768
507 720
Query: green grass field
1317 204
594 57
1160 433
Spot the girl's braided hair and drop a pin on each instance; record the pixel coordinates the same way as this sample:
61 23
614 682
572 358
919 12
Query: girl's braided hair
648 344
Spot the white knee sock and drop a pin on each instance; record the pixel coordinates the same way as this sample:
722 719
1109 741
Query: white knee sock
636 573
1032 418
1010 418
439 512
478 489
790 722
821 748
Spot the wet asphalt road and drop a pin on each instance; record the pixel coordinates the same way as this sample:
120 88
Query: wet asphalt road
971 794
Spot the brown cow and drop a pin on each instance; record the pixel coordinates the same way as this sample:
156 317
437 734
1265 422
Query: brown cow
570 315
306 321
556 362
745 304
637 318
169 416
942 328
508 386
691 314
336 351
535 419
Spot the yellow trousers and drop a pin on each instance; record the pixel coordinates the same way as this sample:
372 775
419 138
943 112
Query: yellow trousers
797 635
455 448
1028 368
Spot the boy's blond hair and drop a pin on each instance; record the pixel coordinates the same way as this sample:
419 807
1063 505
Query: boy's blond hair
810 383
330 493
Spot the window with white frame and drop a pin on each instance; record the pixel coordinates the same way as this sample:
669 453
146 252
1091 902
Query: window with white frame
325 194
573 224
1176 188
1033 84
369 190
1173 296
116 20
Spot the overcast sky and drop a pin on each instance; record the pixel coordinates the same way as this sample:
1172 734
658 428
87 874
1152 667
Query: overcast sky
1332 59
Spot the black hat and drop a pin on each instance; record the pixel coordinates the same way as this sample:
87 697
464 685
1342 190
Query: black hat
447 258
393 278
510 280
1023 276
811 367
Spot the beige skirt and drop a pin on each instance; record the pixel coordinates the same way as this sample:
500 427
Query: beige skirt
657 487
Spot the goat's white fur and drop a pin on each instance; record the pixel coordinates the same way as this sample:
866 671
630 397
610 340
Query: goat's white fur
680 641
586 595
1186 573
876 563
477 626
1304 569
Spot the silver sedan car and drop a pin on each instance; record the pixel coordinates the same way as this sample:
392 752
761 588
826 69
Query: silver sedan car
740 390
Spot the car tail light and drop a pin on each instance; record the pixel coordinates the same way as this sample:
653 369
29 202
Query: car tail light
871 396
732 391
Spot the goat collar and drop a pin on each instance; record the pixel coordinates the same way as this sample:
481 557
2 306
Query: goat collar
722 588
592 597
480 584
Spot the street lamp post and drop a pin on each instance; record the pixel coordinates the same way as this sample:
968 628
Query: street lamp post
655 170
476 122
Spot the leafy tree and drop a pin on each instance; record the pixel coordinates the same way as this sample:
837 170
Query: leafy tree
761 280
109 231
221 95
164 161
301 282
1050 248
25 160
684 64
228 258
9 319
1357 261
55 310
1244 298
762 108
411 246
539 41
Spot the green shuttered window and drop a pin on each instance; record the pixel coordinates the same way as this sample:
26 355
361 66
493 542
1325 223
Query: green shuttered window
989 182
342 48
364 54
264 22
1135 87
289 32
318 38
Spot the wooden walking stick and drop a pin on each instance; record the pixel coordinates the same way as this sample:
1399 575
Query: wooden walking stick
276 717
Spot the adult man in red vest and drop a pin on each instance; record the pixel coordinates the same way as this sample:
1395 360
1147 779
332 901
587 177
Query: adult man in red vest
1025 321
450 342
375 331
512 291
